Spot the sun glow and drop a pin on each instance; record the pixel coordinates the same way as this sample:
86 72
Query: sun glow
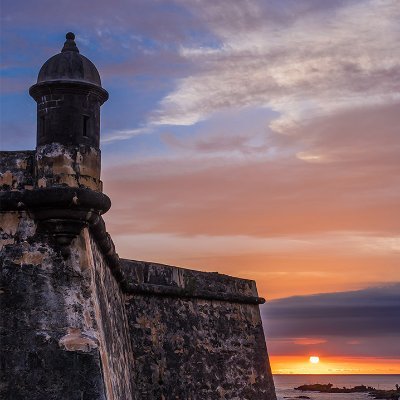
314 360
334 365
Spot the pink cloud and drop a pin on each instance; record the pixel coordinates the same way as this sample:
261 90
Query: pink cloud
356 190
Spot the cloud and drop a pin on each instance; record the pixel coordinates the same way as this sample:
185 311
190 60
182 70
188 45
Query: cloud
123 134
361 313
162 21
321 62
222 184
308 341
356 322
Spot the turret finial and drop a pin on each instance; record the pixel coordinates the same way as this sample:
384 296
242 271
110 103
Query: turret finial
70 44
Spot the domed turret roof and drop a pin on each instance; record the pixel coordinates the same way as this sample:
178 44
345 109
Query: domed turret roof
69 65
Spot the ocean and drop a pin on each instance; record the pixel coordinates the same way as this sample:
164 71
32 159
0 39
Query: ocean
285 385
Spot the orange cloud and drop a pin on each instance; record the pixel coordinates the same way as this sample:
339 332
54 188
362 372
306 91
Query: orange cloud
308 341
194 194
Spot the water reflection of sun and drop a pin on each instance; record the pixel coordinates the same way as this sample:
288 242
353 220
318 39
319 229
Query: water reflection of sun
314 359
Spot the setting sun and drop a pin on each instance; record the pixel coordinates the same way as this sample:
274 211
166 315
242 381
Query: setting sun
314 360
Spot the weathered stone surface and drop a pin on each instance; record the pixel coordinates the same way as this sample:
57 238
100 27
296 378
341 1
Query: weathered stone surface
116 350
165 280
45 297
51 165
192 348
16 170
72 166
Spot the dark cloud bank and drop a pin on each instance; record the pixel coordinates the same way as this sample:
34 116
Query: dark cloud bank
366 321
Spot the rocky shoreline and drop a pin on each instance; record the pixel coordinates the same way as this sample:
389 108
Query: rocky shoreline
375 393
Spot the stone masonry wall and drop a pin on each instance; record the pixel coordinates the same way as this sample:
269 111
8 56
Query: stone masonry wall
49 340
16 170
63 327
49 333
191 347
116 351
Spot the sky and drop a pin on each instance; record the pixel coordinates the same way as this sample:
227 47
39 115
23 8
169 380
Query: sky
259 139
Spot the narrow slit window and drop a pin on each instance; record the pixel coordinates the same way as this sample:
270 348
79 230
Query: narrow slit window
42 126
85 126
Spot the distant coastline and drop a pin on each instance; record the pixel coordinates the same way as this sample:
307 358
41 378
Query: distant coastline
392 394
285 384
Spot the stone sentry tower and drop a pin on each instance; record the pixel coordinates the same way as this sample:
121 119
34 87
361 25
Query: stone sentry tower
77 321
68 95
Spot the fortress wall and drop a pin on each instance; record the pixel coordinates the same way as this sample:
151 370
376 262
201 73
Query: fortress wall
49 344
78 323
63 325
48 331
188 345
116 351
16 170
